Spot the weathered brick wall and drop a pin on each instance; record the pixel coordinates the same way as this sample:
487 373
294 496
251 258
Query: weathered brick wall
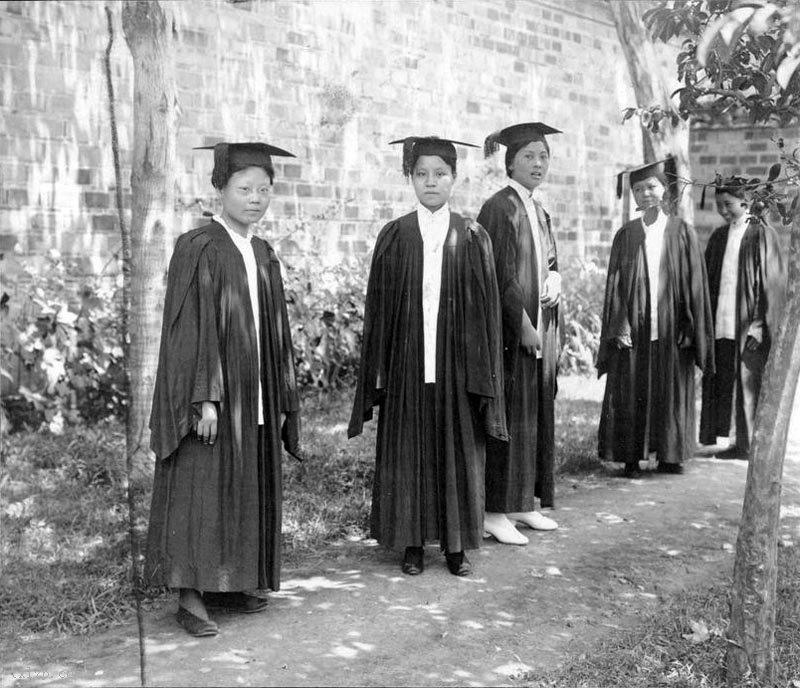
748 151
331 81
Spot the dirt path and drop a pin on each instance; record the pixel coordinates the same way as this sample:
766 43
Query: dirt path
351 618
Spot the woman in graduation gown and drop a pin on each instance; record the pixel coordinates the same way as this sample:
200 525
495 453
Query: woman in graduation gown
747 281
431 362
519 471
656 328
224 400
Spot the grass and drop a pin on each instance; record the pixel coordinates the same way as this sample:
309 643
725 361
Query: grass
328 496
683 643
64 545
65 550
66 558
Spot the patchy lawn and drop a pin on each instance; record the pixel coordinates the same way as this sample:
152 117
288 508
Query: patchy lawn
65 548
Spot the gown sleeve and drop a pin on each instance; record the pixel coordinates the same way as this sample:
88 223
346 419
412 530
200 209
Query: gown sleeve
189 365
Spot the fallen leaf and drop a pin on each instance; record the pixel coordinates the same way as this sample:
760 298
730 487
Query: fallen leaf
609 518
699 632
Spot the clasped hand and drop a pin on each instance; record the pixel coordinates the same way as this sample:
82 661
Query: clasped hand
551 291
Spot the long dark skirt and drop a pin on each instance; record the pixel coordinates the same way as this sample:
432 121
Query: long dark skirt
417 519
717 409
209 534
511 468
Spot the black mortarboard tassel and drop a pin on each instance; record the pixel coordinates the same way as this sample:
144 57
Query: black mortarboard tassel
414 146
661 169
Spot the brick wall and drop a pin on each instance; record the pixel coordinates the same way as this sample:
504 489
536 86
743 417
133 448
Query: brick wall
745 151
332 82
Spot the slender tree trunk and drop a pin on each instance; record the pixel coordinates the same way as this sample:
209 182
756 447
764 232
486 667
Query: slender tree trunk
752 625
755 572
650 87
148 28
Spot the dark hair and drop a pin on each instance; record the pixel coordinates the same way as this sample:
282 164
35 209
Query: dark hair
735 186
221 177
449 160
511 151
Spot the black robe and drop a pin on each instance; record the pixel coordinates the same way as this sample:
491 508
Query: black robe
760 296
523 468
685 339
468 391
215 519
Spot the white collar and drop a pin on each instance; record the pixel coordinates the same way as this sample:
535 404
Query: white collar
523 191
444 211
659 223
234 235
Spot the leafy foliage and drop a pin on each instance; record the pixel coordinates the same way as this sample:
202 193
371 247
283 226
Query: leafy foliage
326 314
61 354
738 59
581 311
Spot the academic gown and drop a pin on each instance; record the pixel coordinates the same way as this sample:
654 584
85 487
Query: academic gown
760 296
467 404
523 468
215 519
685 339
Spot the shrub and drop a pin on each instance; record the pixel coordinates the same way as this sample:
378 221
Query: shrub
61 354
583 288
326 314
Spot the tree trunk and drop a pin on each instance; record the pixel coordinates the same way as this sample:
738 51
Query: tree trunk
755 572
650 88
148 28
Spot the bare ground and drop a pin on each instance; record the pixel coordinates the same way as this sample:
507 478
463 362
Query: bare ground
350 618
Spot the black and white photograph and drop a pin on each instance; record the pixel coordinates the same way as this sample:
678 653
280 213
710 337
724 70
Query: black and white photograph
400 343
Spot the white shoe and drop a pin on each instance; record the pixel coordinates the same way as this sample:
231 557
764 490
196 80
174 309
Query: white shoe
534 520
502 530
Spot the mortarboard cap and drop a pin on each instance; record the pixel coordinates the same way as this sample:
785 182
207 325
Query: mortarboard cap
734 185
664 170
231 157
517 135
415 146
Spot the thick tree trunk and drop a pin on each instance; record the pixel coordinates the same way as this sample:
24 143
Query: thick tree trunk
649 81
755 572
148 28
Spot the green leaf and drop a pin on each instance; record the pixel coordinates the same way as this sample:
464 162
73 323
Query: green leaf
774 171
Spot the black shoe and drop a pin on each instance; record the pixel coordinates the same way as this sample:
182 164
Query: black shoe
194 625
412 561
235 601
631 470
671 468
458 564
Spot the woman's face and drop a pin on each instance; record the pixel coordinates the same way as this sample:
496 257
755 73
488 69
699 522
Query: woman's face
530 165
433 181
730 207
245 198
648 192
